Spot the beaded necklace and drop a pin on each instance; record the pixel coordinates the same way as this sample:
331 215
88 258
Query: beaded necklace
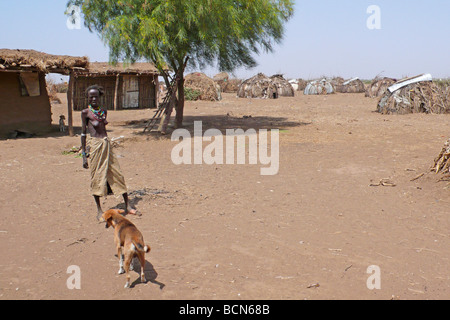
99 114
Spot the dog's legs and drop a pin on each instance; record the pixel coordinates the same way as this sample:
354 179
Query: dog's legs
120 255
141 256
128 258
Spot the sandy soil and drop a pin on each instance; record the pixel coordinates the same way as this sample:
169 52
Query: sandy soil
226 231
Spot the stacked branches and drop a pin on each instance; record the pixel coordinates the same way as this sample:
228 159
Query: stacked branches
421 97
377 88
442 161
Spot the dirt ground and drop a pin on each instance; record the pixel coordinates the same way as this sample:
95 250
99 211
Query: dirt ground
226 231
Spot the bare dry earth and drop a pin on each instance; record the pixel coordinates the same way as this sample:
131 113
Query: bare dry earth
226 231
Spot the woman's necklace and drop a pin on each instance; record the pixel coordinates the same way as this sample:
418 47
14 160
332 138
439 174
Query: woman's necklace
99 114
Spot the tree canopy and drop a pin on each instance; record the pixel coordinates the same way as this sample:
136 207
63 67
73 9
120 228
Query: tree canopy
222 33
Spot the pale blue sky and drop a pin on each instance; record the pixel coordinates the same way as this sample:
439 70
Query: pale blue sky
324 38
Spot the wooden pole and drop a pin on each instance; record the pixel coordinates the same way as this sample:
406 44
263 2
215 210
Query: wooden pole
70 105
116 93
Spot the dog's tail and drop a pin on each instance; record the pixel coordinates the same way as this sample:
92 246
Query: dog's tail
143 248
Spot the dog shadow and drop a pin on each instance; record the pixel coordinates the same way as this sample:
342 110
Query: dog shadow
149 272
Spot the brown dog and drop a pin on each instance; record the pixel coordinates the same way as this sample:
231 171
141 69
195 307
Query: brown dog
128 240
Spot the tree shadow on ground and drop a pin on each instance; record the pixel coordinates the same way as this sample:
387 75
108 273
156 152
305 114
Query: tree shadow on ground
220 122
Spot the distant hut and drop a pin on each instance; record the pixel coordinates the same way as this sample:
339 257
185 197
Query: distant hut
353 85
415 95
226 83
284 88
378 87
259 86
24 100
301 84
208 89
134 86
232 85
319 87
221 79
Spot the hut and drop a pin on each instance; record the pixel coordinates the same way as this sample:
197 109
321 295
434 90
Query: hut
354 85
134 86
24 101
319 87
227 84
206 87
378 87
232 85
298 84
259 86
221 79
415 95
284 87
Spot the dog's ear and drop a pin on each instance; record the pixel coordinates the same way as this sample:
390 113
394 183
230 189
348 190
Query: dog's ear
107 215
120 211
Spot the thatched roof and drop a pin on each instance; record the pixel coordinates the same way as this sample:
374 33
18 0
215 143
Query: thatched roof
105 68
208 89
30 59
417 97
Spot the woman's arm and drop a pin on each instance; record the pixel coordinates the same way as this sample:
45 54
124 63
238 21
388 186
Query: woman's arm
84 121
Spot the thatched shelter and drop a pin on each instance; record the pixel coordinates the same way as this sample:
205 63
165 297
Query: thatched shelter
415 95
208 89
227 84
258 86
232 85
301 84
284 88
221 79
378 87
24 100
354 85
134 86
319 87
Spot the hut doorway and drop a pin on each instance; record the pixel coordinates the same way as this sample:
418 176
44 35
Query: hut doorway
130 92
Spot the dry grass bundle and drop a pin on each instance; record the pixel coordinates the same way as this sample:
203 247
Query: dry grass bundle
232 85
420 97
301 84
319 87
378 87
208 88
442 162
349 86
42 61
259 86
284 88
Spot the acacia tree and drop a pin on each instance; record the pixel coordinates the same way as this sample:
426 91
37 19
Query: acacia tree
171 33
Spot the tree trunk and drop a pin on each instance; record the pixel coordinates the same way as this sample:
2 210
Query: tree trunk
180 104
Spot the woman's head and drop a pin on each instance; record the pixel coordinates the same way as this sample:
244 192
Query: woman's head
93 93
